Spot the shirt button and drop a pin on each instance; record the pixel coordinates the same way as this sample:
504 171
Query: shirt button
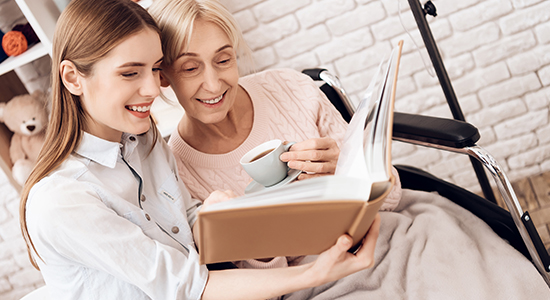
147 217
132 138
175 229
143 198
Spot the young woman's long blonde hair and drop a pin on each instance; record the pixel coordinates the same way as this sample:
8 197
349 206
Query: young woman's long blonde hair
85 32
177 17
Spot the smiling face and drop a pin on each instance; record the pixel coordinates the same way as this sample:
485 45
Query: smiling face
205 76
119 93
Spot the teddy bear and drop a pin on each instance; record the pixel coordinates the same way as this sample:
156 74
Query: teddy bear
26 116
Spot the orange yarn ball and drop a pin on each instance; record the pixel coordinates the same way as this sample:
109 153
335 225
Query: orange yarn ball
14 43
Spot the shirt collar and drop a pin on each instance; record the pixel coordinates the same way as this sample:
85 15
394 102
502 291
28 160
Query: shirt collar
99 150
129 142
106 152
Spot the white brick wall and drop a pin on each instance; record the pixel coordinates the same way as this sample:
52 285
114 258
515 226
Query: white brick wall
497 54
17 276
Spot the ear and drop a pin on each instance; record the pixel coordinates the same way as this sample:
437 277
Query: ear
71 77
163 80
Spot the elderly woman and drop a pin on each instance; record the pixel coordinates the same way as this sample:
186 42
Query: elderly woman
227 115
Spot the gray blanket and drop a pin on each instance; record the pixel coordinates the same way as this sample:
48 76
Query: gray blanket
431 248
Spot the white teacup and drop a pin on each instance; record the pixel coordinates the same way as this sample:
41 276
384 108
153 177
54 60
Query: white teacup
263 164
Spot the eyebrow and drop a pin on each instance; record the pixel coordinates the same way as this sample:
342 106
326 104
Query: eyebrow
138 64
194 54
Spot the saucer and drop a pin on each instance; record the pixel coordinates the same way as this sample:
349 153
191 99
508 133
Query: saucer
256 187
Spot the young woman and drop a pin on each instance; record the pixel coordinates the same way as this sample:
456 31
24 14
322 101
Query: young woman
104 213
227 115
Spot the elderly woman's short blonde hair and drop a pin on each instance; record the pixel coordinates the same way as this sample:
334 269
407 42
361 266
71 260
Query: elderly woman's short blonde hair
177 17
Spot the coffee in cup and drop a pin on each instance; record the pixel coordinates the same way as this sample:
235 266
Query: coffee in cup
262 154
263 163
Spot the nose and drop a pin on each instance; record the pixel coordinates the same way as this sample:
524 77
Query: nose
31 128
151 86
212 82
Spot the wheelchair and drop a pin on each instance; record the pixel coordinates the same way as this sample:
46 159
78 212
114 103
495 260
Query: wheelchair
515 225
455 135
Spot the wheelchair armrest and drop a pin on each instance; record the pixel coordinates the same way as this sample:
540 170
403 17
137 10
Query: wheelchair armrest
424 129
434 130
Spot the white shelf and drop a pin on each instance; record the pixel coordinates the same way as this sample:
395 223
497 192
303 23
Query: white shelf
42 16
34 52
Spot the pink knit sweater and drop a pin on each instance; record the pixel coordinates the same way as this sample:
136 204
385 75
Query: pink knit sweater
287 106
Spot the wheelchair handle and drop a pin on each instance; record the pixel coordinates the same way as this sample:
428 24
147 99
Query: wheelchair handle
314 73
333 81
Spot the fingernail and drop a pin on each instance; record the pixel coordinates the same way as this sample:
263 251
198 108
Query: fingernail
346 240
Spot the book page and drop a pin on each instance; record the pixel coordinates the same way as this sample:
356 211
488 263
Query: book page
366 151
351 161
324 188
378 133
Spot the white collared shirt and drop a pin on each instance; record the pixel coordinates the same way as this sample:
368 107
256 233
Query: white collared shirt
114 222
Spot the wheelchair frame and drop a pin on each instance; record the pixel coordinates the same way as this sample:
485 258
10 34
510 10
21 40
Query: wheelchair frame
514 225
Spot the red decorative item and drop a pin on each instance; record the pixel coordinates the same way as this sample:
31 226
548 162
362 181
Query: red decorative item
14 43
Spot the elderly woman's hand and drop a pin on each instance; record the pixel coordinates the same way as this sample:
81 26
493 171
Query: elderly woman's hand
316 157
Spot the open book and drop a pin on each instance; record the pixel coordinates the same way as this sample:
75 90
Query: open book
307 217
